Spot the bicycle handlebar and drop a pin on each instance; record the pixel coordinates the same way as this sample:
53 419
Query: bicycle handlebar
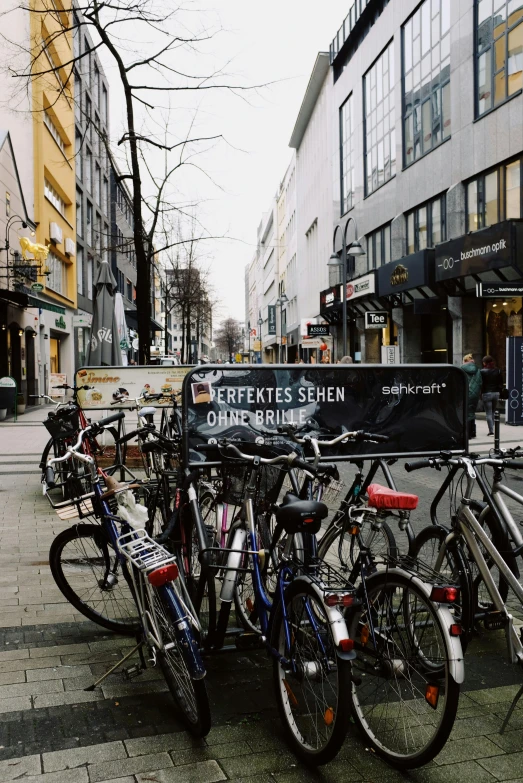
356 435
420 463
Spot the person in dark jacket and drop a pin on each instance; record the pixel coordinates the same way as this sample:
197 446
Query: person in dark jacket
492 383
474 390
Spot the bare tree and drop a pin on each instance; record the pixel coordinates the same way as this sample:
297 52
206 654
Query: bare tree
228 337
121 27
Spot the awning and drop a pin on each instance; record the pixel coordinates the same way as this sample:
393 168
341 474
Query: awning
34 302
132 321
14 297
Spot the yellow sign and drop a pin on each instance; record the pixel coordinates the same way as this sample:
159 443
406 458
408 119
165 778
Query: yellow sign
108 381
256 345
238 357
284 341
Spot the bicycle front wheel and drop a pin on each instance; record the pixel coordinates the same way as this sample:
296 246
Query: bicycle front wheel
312 684
341 550
404 696
189 692
91 577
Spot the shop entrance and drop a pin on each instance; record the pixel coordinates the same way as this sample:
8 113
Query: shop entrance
30 338
54 355
15 354
436 336
503 318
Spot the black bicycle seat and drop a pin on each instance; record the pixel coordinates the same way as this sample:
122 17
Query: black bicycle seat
300 516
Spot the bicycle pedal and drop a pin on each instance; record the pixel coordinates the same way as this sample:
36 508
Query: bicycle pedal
248 641
495 621
132 672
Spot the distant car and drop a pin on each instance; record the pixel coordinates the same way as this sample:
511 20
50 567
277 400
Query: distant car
169 361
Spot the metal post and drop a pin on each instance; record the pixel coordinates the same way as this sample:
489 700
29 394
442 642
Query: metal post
344 288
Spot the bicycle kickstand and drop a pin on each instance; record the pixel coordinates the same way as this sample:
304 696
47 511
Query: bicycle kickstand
137 648
512 707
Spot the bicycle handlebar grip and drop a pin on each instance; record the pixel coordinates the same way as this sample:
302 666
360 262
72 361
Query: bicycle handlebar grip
420 463
305 466
376 438
110 419
207 447
49 477
129 436
514 464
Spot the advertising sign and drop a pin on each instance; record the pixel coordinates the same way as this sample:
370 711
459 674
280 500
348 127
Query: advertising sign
57 379
515 380
330 297
421 408
390 354
498 290
361 286
490 248
409 272
82 320
271 319
318 330
134 379
304 326
376 319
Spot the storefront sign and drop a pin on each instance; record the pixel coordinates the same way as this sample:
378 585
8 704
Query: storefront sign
271 319
57 379
304 326
362 286
376 319
318 330
498 290
317 342
390 354
421 408
490 248
515 380
37 287
82 320
134 379
7 382
60 323
411 272
330 297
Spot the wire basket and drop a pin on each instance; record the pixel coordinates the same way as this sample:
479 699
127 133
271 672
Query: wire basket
269 480
330 491
63 423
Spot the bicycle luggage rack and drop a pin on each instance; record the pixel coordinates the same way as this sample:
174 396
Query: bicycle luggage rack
143 552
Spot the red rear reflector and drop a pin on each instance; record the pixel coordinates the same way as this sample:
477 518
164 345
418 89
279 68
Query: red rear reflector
444 595
334 599
455 630
163 575
346 645
431 695
308 521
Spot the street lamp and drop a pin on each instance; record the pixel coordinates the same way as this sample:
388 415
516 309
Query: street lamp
260 324
355 250
281 302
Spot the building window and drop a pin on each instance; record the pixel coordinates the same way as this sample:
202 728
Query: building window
380 139
49 123
96 85
105 195
129 292
53 196
78 98
97 184
88 170
98 234
89 222
90 275
378 247
426 79
80 269
104 103
79 214
57 279
347 155
78 155
499 52
105 241
427 225
495 195
87 59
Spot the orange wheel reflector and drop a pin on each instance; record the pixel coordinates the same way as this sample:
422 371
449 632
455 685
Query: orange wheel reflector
354 530
431 695
249 604
163 575
290 694
365 634
328 716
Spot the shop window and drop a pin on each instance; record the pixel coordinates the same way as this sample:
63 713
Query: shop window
347 155
426 79
499 52
378 247
379 132
426 225
495 195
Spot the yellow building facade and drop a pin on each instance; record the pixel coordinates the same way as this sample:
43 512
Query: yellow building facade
54 159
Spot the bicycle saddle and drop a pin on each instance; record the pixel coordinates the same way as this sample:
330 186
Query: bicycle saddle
383 497
149 410
114 486
300 516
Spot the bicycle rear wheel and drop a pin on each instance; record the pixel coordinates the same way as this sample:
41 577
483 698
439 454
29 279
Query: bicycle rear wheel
404 695
91 577
313 685
341 549
189 692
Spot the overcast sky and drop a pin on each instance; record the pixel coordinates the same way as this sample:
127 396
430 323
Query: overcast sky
274 41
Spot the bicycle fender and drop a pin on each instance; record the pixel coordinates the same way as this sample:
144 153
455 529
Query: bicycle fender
188 645
335 618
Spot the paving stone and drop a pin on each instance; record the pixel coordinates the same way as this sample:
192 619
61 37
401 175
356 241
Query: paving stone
26 664
156 744
30 689
67 776
16 704
507 767
119 689
258 762
66 697
131 766
465 772
203 772
494 695
10 678
465 750
90 754
63 649
216 752
510 741
18 767
57 673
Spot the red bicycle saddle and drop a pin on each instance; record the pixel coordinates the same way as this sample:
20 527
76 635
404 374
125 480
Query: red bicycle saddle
383 497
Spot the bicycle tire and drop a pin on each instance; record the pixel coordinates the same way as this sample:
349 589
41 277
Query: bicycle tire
426 547
244 593
201 587
112 607
393 668
189 694
383 544
333 712
480 594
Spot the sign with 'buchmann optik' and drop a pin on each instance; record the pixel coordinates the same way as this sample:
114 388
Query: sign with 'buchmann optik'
421 408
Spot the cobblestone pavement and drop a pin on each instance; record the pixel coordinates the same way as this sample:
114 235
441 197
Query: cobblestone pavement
54 731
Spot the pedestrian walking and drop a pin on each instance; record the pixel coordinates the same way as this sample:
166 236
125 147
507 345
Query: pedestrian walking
474 391
491 385
346 360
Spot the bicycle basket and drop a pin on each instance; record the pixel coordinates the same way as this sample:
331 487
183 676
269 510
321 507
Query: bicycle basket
331 490
63 423
269 480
